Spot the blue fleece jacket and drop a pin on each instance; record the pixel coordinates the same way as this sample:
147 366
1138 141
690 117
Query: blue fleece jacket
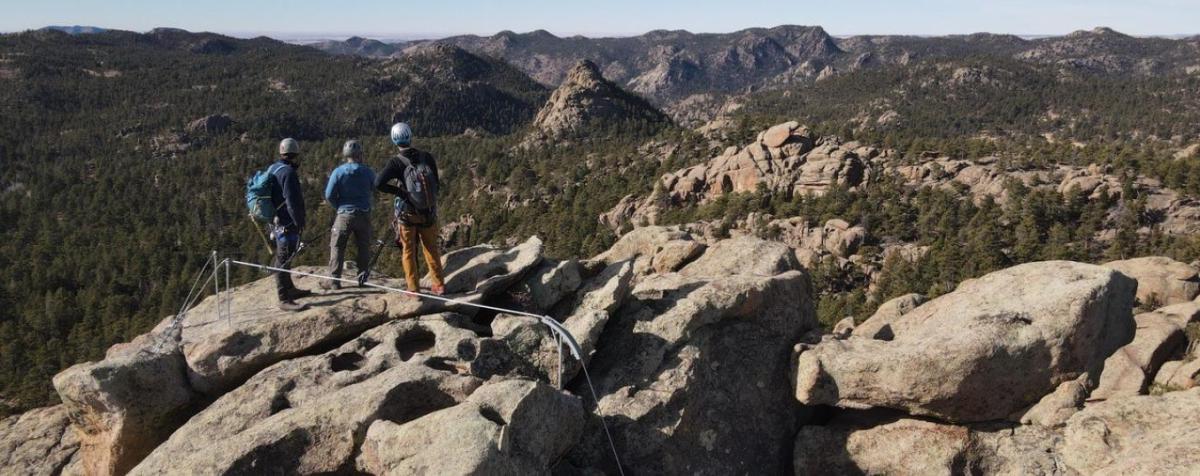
351 187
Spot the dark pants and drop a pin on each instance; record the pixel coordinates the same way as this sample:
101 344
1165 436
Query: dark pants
358 224
285 247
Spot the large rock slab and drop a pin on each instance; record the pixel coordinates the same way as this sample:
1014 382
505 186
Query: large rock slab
522 345
645 245
744 255
991 348
552 281
223 350
514 427
309 414
1129 370
872 443
125 405
1161 280
487 270
1136 435
688 375
39 441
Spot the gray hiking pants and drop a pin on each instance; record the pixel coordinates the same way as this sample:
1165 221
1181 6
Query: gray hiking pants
353 223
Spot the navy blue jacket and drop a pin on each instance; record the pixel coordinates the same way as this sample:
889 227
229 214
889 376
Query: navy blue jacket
286 195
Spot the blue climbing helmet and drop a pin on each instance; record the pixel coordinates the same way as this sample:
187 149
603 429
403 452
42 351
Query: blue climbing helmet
401 134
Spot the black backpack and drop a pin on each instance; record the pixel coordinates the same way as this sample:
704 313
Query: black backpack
422 186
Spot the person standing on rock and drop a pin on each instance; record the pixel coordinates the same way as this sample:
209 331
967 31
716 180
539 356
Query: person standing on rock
416 206
289 222
349 190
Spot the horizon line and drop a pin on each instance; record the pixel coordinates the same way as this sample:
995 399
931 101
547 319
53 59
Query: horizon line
430 36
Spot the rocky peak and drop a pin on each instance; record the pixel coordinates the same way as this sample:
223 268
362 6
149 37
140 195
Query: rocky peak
543 34
1100 31
807 42
585 75
586 100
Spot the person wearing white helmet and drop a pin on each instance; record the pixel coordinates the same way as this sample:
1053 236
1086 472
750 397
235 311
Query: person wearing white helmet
415 206
350 190
289 222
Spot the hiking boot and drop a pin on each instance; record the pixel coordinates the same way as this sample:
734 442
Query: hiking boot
291 306
297 293
329 284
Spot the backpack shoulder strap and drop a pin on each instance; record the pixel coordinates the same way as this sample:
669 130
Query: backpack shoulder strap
404 161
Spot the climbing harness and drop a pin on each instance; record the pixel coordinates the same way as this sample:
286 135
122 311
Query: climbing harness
222 290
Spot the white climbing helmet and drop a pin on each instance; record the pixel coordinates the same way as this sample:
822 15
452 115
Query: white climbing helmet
289 146
401 134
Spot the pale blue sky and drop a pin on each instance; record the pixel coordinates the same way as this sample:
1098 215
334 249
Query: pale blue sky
393 19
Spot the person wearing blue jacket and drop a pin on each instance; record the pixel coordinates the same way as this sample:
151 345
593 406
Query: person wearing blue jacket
289 221
350 190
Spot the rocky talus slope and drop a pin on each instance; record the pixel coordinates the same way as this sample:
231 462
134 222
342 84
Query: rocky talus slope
704 356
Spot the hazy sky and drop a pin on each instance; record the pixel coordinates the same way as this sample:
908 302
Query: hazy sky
405 18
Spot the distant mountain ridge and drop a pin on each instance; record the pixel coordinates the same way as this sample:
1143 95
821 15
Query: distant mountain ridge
671 66
76 29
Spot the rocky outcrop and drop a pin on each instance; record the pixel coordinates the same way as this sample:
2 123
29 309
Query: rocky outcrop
676 345
1161 281
585 101
798 163
39 441
310 414
879 325
125 405
874 443
222 352
1140 435
745 256
653 248
1143 435
213 124
514 427
994 346
522 345
486 270
836 237
687 341
170 144
786 159
550 282
1130 370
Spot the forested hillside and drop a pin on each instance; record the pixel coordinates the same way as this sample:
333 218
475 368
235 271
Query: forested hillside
123 158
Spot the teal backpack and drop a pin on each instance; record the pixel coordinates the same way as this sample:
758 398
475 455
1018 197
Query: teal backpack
258 194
